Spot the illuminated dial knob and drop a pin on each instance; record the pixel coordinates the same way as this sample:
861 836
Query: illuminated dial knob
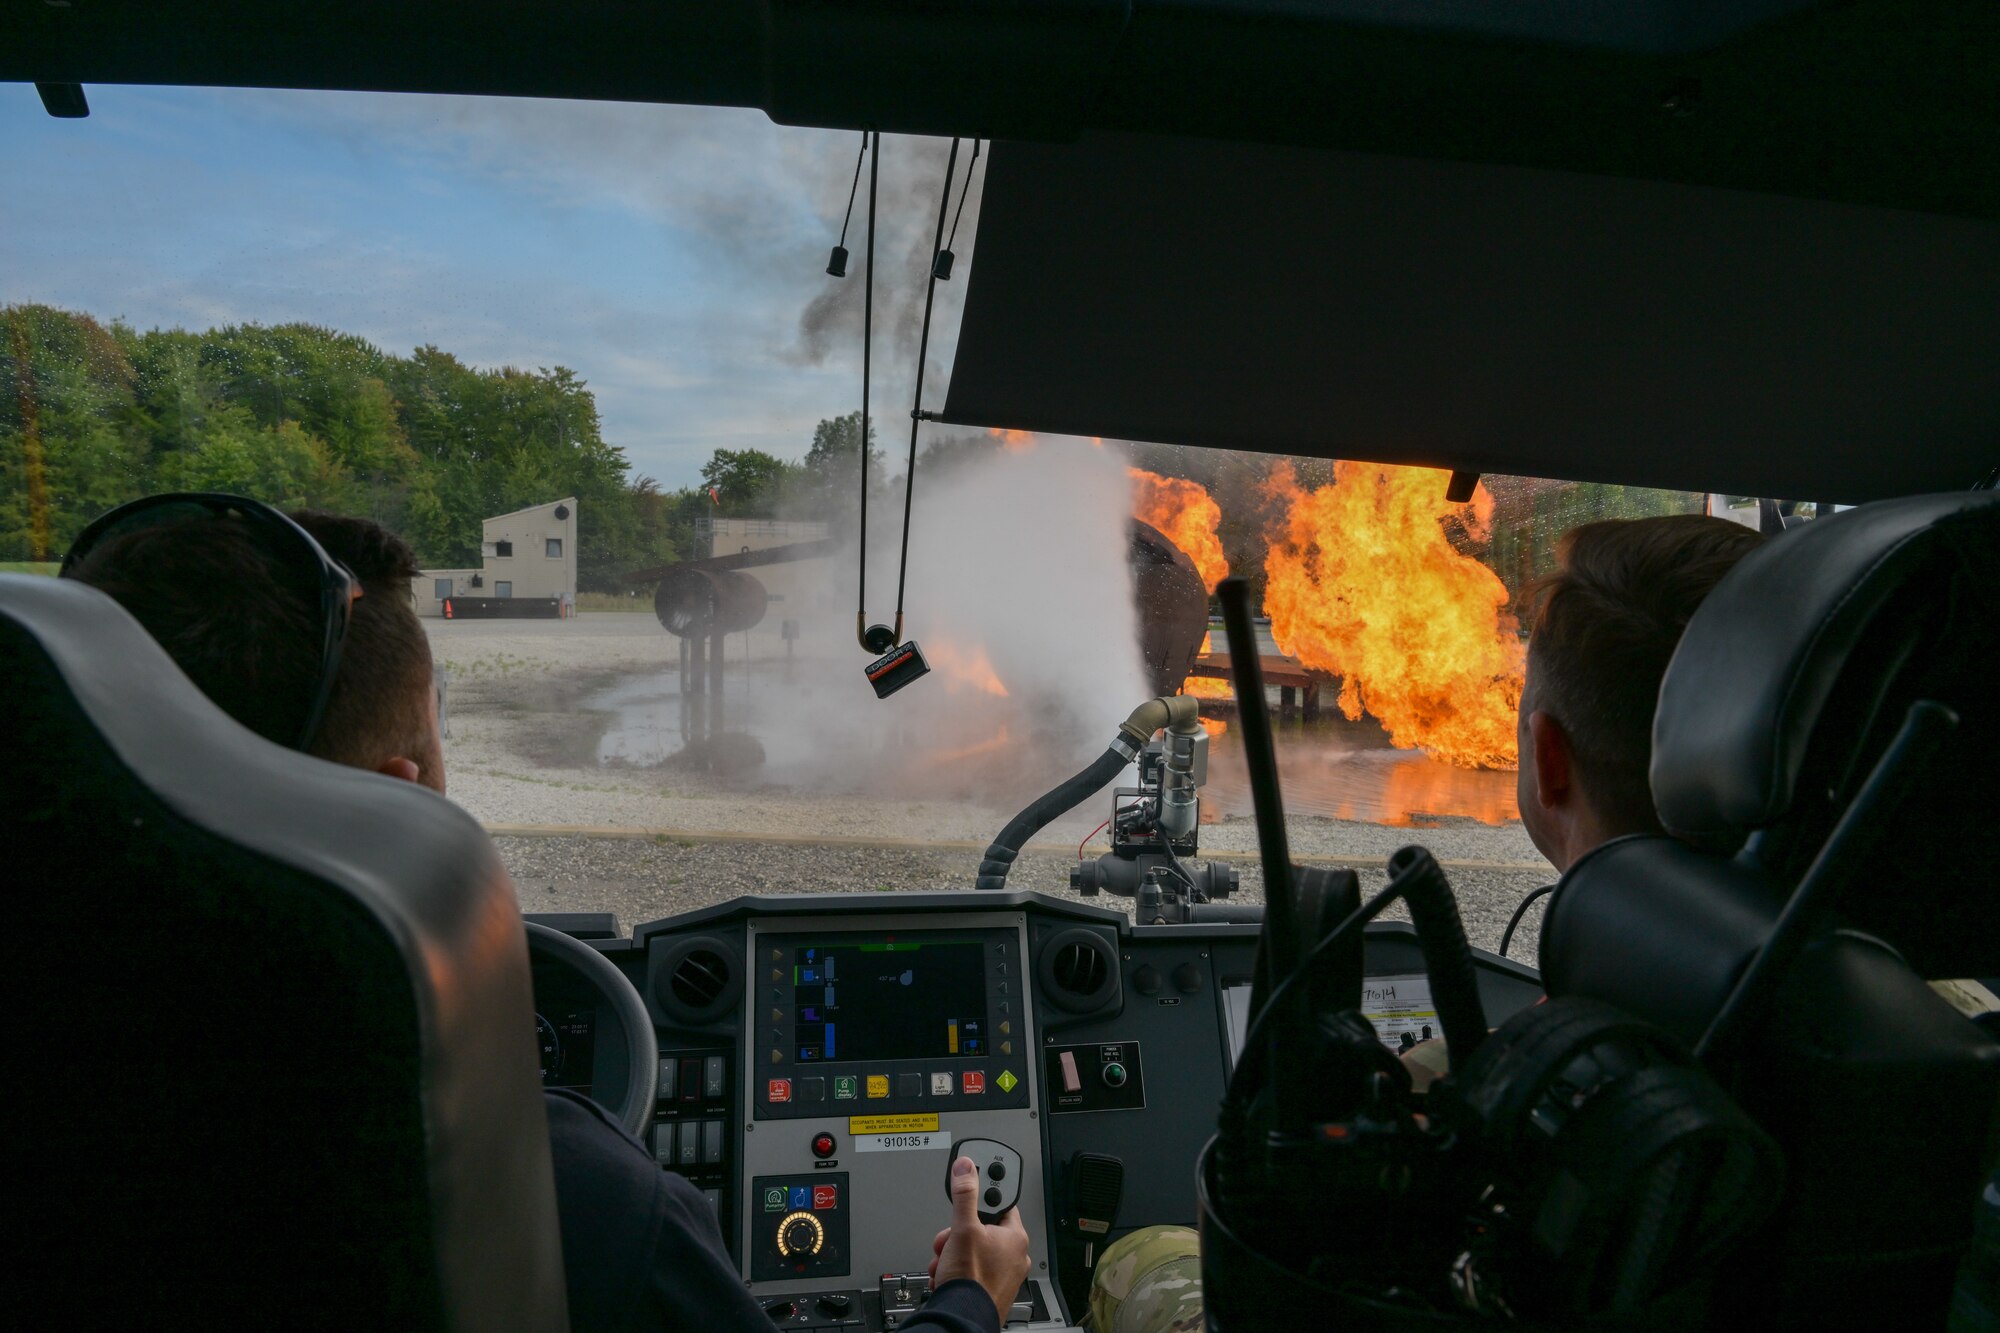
800 1236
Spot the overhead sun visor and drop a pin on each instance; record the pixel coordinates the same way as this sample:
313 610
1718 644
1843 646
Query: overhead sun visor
1481 318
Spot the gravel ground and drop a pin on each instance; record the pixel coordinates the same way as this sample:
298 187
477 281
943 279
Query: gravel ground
648 842
644 879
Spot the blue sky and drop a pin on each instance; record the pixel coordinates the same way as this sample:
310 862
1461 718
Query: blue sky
669 255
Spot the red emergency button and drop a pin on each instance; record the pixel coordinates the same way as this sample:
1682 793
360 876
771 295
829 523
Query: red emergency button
823 1145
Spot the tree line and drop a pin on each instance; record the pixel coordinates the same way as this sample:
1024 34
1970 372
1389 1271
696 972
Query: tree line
93 414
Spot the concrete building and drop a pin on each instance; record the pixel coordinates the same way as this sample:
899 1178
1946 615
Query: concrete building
530 553
792 587
798 611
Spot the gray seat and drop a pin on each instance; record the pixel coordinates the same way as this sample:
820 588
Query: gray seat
272 1020
1787 692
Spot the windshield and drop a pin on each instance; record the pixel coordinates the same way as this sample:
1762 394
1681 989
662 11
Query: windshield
577 354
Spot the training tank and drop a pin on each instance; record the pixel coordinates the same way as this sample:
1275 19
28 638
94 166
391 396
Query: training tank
699 598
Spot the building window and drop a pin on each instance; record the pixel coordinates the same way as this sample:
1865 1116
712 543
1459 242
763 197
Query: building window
504 588
503 549
555 548
442 590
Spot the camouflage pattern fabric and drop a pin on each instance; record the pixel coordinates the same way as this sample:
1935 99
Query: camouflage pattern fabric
1149 1281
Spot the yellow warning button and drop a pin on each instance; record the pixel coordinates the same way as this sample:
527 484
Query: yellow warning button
878 1085
889 1124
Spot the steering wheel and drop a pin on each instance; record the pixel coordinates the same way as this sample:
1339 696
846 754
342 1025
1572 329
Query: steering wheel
642 1052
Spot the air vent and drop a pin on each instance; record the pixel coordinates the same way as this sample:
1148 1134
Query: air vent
1079 969
696 982
1079 972
701 978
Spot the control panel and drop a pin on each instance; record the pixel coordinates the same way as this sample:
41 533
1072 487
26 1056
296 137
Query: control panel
1094 1076
800 1226
850 1047
871 1046
818 1310
693 1123
886 1023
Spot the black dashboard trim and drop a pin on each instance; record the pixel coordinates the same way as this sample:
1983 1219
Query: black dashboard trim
875 904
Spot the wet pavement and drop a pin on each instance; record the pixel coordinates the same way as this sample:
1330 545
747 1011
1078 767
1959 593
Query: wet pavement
1333 768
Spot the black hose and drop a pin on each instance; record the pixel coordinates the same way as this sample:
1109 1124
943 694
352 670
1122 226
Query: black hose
1507 936
1177 712
1447 955
1238 913
1050 806
1278 947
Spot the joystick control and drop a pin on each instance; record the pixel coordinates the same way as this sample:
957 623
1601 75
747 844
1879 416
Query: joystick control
999 1178
800 1236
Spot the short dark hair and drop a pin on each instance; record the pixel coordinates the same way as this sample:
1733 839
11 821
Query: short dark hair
378 704
229 613
238 623
1604 626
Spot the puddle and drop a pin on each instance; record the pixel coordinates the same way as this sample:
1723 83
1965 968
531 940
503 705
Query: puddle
768 732
1325 773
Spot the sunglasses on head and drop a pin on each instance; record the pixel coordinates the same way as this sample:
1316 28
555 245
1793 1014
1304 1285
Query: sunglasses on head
319 574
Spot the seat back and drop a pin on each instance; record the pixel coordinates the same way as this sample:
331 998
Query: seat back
274 1016
1780 702
1793 677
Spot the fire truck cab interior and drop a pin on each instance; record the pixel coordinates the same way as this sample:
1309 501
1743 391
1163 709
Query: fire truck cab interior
286 1078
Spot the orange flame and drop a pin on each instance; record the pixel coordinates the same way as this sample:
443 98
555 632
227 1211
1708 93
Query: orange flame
1362 582
1208 687
962 667
1417 789
1013 441
998 741
1184 512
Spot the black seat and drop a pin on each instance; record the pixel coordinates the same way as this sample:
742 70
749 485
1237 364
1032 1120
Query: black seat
270 1018
1790 687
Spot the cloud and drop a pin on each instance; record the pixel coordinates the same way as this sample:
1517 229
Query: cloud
672 256
758 205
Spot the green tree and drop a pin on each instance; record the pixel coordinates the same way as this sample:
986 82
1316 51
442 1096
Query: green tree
829 486
748 483
69 447
298 414
946 452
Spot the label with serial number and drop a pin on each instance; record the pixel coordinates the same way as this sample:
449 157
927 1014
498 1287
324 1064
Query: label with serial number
901 1142
858 1125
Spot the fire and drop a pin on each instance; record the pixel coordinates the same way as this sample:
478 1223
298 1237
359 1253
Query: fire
992 745
1013 441
1184 512
1416 789
1361 582
960 667
1208 687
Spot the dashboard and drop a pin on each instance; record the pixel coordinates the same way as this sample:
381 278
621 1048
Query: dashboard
820 1054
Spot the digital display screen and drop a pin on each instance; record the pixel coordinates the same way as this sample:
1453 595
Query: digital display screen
568 1040
889 1000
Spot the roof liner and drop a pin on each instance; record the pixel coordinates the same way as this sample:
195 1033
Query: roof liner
1886 102
1480 317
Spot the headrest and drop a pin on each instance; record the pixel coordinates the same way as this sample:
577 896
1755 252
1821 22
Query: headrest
1656 928
1744 699
297 1029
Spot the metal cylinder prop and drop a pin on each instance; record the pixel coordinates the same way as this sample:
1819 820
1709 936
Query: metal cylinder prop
697 603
